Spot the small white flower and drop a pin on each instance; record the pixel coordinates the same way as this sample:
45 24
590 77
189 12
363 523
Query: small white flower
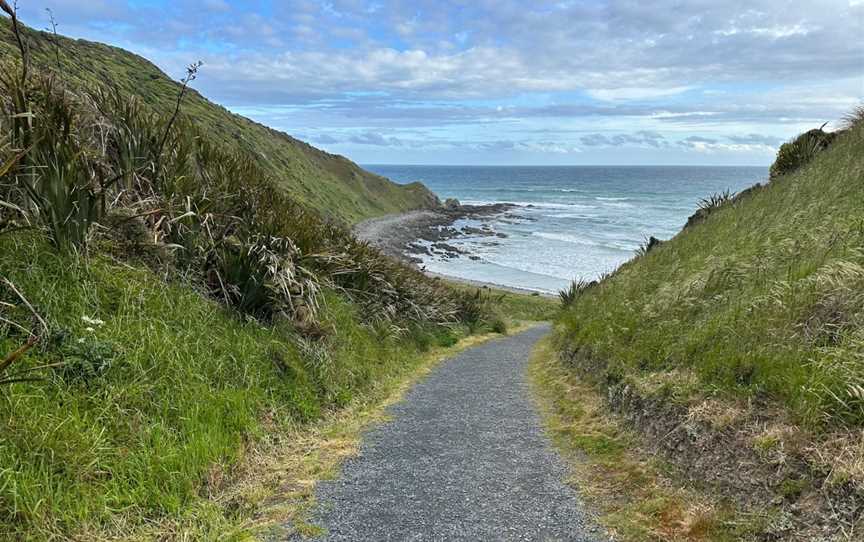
92 321
81 340
90 329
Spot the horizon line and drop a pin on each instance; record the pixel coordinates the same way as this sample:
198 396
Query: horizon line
372 164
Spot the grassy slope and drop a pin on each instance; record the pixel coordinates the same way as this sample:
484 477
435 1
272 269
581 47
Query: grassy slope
141 450
331 184
153 393
762 299
189 384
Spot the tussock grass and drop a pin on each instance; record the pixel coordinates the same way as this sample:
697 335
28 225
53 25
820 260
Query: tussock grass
574 291
714 201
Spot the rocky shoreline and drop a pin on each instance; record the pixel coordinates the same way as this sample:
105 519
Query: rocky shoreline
409 235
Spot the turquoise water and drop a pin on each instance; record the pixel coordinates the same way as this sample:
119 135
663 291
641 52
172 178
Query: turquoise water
573 222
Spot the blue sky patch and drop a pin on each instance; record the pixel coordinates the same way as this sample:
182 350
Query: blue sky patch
505 81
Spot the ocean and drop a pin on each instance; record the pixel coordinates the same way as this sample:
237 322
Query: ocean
573 222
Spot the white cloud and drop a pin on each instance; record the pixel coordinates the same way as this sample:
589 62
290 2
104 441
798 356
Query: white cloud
613 67
636 93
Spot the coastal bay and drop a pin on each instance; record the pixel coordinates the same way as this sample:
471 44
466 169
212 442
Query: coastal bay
538 228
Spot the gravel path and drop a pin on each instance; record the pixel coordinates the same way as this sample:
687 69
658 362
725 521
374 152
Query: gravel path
464 458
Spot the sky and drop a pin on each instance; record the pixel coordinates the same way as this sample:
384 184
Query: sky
615 82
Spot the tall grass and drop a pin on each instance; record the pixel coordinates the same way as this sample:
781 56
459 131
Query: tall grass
761 301
101 156
165 391
185 304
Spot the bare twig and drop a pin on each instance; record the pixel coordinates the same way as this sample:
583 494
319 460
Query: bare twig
14 380
15 85
23 299
140 215
15 325
38 368
12 11
10 359
56 38
191 75
12 162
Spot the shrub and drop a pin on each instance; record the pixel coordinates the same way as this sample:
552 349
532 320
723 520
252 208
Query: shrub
800 151
262 276
498 325
574 291
650 244
446 338
479 311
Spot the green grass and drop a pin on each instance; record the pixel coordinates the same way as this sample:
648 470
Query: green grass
761 299
510 306
187 387
331 184
185 311
636 495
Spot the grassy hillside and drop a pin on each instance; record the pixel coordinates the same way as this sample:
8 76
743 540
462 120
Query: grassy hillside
331 184
735 351
165 307
155 394
158 387
762 297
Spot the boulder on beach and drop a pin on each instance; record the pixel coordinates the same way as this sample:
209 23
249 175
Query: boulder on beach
452 204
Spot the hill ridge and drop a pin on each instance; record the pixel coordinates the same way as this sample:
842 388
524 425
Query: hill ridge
330 183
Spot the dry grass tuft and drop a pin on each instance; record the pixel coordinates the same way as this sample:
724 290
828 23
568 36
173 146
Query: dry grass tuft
716 413
842 456
634 494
